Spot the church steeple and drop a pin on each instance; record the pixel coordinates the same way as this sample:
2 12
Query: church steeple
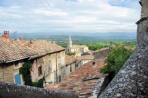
69 45
70 42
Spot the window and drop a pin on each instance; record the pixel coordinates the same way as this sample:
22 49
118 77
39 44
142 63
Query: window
76 66
40 71
70 68
59 78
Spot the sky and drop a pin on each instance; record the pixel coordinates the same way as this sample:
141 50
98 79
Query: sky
58 16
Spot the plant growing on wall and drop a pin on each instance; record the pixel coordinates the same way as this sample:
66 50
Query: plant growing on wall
25 71
116 59
71 54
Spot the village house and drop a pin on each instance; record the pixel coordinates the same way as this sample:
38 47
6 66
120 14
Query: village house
12 58
82 81
79 50
73 63
48 60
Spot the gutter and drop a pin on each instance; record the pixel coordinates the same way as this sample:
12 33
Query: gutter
15 60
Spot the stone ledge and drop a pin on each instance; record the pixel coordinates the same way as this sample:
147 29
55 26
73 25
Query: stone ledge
142 19
9 90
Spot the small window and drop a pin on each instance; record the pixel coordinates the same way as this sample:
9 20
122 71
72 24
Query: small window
76 66
70 68
59 78
40 71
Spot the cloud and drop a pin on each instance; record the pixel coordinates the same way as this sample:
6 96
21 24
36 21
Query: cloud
69 15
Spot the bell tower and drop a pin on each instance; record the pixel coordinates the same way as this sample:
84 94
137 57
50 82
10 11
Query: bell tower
69 44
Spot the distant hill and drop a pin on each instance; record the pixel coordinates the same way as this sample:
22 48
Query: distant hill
77 36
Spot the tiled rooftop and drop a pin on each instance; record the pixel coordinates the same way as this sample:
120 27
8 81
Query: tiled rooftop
82 81
85 57
41 47
70 59
10 51
16 50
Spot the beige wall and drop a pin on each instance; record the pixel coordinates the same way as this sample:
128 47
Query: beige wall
70 68
52 67
8 72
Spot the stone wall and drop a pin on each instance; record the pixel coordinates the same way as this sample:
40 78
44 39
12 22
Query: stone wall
132 80
8 90
8 71
51 65
144 11
101 53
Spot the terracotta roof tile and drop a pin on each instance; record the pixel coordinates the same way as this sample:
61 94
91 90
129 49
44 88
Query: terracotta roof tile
10 51
82 81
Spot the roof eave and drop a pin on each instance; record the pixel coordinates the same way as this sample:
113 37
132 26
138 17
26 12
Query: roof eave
16 60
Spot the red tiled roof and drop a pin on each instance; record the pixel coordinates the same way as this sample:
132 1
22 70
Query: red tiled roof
70 59
85 57
16 50
82 81
40 47
10 51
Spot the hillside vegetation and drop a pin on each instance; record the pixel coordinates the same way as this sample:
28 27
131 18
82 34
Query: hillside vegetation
95 45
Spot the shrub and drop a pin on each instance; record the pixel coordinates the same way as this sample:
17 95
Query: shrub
25 71
116 59
71 54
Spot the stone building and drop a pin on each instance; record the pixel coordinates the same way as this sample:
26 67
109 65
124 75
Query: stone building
77 49
48 60
11 59
5 35
73 63
82 81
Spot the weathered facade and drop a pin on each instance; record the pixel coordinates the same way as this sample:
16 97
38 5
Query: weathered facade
51 67
48 60
82 81
12 58
73 63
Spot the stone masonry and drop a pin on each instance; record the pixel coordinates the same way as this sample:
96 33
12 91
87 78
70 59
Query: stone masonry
8 90
132 79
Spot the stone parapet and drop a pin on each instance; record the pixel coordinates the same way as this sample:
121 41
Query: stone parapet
9 90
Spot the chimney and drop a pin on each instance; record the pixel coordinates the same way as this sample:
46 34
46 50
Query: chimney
6 34
21 38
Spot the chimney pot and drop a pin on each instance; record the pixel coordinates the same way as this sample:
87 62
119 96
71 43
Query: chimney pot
21 38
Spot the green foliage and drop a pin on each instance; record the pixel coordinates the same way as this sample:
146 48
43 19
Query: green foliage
71 54
39 83
25 71
64 45
116 59
95 45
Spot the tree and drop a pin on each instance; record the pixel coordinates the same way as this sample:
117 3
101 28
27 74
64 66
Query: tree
116 59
